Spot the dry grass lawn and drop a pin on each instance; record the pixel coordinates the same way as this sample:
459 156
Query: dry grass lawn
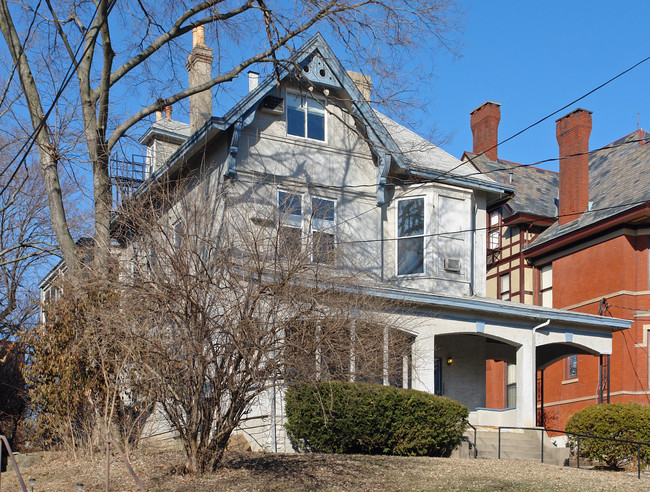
261 472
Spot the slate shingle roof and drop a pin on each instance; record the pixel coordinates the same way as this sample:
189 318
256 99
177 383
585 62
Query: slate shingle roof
536 189
619 179
419 153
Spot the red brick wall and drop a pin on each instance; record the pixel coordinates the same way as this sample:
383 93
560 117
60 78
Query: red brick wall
614 270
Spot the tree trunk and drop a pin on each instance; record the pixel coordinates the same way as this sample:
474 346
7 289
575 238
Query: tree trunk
46 150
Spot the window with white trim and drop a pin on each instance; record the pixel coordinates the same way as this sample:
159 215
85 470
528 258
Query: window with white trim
410 236
504 287
546 285
305 116
511 385
493 230
323 229
290 226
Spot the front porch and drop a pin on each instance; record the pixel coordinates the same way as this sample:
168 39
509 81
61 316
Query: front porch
452 346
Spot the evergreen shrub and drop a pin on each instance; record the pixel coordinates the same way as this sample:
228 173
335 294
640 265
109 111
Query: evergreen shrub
360 418
627 421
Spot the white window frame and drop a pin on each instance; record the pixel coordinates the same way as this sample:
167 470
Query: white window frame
546 285
502 291
423 236
318 103
511 384
291 220
324 226
494 229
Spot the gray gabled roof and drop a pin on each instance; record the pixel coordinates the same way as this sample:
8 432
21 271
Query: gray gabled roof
536 190
167 129
619 180
384 134
428 161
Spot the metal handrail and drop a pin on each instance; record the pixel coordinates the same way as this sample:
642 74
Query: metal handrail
522 428
3 439
613 439
126 462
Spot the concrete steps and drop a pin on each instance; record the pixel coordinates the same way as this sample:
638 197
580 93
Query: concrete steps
516 444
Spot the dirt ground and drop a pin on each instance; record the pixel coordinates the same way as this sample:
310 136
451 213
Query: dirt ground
158 471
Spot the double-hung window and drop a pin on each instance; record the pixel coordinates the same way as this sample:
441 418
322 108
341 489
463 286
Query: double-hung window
493 230
511 385
571 367
290 210
410 236
323 229
546 285
305 117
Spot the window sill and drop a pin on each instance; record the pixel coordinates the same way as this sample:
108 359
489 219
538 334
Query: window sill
306 139
569 381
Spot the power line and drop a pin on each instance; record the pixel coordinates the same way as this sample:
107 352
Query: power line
561 109
476 229
66 80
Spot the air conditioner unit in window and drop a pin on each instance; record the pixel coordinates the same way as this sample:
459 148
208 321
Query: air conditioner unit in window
452 264
272 104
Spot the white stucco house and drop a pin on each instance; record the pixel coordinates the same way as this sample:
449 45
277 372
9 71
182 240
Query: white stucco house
414 211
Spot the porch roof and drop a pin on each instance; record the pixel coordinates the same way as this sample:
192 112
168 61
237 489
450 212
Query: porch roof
513 310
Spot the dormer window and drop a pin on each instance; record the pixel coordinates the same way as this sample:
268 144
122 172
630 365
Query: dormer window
305 117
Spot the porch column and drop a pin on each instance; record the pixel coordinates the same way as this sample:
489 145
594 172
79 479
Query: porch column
424 361
526 381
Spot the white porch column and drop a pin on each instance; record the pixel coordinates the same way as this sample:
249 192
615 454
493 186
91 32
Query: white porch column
424 361
526 382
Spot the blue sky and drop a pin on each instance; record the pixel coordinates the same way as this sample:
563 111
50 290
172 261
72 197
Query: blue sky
535 57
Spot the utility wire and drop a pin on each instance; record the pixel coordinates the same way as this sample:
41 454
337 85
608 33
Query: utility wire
66 80
561 109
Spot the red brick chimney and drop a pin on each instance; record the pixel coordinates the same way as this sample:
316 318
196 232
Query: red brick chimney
572 133
484 121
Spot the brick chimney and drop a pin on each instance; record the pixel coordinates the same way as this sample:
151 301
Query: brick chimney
572 133
484 121
199 69
363 83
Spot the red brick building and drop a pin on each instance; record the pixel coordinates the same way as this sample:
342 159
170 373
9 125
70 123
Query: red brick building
580 242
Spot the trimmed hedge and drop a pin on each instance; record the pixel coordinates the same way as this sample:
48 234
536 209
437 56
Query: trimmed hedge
628 421
360 418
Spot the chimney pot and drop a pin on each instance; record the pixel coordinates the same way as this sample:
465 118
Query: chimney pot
253 80
484 122
168 112
158 115
572 132
198 36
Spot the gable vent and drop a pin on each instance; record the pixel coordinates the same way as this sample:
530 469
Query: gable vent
452 264
272 104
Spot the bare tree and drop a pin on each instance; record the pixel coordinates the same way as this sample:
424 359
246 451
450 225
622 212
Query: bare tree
115 50
226 301
78 362
26 242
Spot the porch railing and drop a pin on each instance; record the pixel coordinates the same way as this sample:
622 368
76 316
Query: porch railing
580 437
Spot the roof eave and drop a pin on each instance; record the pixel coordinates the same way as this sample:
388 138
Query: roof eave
475 184
534 314
583 233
